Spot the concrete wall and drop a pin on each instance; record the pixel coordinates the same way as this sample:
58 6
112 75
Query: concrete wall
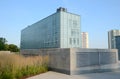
92 60
59 59
77 60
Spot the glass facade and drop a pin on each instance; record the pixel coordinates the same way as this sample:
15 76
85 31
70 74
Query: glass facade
117 39
70 30
111 38
59 30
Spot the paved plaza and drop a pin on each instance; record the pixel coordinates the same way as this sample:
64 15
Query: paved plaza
56 75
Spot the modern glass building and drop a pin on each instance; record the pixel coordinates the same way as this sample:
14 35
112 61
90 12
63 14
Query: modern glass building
59 30
117 44
111 38
117 39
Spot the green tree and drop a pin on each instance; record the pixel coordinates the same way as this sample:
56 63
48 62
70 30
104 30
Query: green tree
6 46
2 43
13 48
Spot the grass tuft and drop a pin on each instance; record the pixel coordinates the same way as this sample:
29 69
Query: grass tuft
14 66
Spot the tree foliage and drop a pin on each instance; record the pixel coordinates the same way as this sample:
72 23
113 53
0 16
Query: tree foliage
13 48
9 47
2 43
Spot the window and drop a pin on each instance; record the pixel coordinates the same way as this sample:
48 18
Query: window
78 41
74 23
70 40
73 32
74 41
70 22
55 42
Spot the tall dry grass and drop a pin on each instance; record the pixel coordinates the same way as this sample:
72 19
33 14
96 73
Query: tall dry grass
14 66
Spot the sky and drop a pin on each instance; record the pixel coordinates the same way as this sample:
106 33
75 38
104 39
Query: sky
97 17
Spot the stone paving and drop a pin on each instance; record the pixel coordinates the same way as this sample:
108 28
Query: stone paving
56 75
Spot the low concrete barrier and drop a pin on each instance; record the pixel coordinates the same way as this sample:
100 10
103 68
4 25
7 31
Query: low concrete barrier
77 60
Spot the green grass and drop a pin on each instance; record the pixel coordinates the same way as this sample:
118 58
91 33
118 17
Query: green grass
14 66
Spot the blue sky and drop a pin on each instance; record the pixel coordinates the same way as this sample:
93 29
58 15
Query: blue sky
97 17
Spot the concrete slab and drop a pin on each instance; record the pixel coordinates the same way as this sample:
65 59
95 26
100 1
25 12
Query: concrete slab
55 75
